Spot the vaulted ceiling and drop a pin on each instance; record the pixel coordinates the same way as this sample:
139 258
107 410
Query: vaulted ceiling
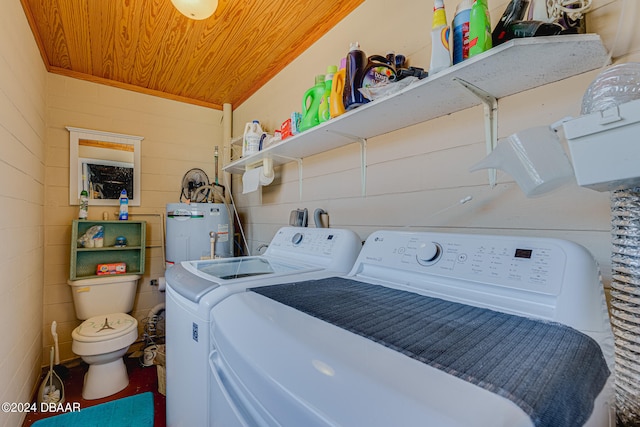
149 47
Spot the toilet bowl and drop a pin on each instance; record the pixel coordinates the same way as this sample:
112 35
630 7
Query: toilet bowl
101 342
106 333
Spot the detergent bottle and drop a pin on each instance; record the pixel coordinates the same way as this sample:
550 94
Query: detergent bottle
311 103
251 138
336 104
479 28
379 70
356 62
440 57
323 110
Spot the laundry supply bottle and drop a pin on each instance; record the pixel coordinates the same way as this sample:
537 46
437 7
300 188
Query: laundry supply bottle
356 62
460 39
336 104
440 57
84 204
251 138
479 28
124 206
324 113
379 70
311 104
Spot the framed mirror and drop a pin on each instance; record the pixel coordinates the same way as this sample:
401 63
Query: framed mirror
103 163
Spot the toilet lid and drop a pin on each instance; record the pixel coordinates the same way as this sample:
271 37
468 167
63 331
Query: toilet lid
107 325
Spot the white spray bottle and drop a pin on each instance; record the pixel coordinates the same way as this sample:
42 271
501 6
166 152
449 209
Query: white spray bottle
440 57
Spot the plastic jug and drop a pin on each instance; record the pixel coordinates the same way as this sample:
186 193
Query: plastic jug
336 104
251 139
379 70
311 103
479 28
324 113
356 63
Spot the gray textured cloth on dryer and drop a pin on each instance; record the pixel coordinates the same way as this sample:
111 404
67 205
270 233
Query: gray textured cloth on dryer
552 371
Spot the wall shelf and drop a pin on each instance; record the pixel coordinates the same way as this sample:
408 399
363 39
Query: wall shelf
505 70
85 260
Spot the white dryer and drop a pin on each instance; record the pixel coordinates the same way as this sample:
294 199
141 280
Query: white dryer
427 329
195 287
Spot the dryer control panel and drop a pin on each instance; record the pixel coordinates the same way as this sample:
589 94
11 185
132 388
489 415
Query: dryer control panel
530 263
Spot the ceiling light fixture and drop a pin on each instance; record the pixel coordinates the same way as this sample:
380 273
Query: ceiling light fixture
196 9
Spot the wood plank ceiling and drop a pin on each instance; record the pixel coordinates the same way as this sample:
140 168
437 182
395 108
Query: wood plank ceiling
148 46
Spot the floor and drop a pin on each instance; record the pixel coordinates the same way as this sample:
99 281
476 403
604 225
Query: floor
141 379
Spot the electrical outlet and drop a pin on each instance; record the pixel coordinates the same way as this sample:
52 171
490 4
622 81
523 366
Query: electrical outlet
154 282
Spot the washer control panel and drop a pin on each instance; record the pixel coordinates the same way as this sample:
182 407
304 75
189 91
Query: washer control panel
335 249
518 262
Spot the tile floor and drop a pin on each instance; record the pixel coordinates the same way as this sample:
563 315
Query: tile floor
141 379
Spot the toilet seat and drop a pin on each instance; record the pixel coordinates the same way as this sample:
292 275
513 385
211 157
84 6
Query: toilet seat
100 328
103 334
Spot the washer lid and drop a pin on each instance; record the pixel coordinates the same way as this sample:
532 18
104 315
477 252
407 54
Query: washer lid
107 325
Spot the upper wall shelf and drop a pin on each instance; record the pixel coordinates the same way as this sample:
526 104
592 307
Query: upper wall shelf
510 68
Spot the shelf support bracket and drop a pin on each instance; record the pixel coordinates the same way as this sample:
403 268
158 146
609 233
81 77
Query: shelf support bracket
363 158
490 104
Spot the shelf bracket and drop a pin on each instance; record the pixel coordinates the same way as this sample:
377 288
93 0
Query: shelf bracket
490 104
363 158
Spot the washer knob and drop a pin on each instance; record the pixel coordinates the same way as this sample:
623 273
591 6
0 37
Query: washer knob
428 253
297 238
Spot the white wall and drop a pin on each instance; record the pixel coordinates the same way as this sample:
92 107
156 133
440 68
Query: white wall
22 176
416 172
177 137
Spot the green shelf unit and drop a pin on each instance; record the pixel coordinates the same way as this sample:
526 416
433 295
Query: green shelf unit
84 261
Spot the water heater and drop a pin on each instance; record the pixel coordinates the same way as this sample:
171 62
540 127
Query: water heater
189 231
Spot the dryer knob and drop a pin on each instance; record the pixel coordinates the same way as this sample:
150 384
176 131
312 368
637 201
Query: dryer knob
297 238
428 253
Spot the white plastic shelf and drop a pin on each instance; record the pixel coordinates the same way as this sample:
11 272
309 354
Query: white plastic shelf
510 68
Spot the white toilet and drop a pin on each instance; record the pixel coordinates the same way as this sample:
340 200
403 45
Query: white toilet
107 331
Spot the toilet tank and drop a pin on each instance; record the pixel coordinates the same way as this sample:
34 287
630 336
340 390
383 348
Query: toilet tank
104 295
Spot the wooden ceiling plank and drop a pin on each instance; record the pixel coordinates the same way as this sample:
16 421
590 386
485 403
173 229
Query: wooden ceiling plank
148 46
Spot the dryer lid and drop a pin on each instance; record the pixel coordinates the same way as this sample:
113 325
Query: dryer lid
107 325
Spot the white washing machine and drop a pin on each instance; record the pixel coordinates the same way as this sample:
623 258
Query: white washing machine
427 329
194 287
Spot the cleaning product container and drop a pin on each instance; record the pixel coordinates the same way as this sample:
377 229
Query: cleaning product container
460 26
336 104
311 104
324 112
479 28
356 62
378 71
251 138
440 58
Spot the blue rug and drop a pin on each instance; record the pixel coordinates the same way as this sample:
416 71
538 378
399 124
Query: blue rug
133 411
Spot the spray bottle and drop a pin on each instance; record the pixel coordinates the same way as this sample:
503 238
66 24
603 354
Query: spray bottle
479 28
84 203
440 58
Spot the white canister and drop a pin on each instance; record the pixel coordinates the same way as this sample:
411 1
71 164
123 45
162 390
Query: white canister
251 139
